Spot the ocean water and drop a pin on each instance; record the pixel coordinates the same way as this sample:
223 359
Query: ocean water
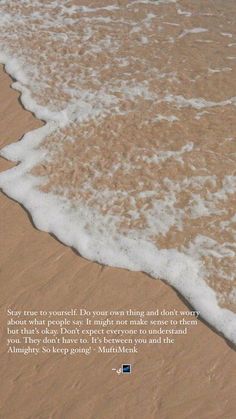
135 165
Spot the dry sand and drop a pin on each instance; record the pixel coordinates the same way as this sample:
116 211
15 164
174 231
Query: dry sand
194 378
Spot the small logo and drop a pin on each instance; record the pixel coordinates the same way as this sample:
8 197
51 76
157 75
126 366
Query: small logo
126 368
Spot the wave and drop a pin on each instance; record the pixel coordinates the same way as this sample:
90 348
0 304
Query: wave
134 166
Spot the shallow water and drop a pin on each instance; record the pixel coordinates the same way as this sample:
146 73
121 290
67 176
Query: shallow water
135 166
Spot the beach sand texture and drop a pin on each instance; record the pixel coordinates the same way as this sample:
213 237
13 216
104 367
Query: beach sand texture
129 161
194 378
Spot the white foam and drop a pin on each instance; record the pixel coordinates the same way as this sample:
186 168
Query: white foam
184 13
169 118
54 215
154 2
229 35
96 236
219 70
198 102
193 30
165 155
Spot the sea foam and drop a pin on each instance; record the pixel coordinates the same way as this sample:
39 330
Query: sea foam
126 169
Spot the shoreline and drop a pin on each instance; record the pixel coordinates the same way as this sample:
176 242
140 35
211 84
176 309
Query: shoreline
179 380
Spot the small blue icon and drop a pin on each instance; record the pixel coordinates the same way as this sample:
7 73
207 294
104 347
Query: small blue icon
126 368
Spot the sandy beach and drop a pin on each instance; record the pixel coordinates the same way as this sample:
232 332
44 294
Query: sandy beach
194 378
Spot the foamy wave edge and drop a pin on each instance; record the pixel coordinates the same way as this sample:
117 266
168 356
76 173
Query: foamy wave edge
51 214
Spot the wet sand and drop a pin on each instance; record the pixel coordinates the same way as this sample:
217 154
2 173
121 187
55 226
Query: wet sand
194 378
